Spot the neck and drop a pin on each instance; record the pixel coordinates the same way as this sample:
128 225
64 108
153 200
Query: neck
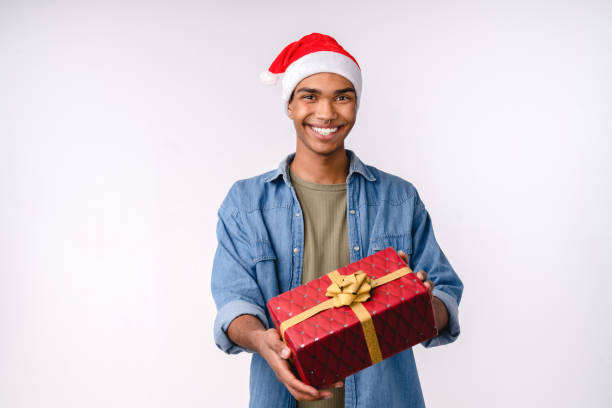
320 169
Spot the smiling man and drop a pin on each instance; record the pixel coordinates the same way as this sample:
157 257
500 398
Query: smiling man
320 210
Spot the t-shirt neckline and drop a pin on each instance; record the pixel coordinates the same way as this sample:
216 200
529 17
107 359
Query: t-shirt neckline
315 186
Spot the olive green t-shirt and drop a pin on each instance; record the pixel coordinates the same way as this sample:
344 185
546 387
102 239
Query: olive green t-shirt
326 244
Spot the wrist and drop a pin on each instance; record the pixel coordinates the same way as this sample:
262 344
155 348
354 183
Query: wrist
243 331
440 313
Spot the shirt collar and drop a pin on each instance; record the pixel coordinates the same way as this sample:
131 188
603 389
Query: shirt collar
355 166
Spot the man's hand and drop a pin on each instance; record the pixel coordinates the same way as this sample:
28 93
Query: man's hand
249 332
276 353
440 312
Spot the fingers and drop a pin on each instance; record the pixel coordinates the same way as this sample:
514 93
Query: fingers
324 393
300 396
403 255
422 275
338 384
305 392
276 353
275 357
290 380
298 389
430 286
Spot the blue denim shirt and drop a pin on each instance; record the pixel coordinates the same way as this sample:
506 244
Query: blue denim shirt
261 238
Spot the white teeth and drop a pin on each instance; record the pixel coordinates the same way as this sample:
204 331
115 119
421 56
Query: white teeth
324 131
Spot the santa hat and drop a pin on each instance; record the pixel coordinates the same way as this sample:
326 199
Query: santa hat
310 55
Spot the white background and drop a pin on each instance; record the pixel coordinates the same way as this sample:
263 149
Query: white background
123 125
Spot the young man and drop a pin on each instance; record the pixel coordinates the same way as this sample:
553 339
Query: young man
320 210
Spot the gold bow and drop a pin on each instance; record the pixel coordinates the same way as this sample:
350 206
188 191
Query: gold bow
353 288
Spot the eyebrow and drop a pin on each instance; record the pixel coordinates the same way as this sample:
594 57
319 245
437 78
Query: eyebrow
341 91
336 92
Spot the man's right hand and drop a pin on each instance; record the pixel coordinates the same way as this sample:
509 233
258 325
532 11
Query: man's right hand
276 353
248 331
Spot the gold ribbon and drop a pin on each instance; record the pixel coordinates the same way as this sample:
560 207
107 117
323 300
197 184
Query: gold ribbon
350 290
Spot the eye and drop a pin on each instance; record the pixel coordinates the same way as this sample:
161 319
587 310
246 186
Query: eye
309 97
342 98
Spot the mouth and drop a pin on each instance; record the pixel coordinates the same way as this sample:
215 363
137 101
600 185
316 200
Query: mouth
324 133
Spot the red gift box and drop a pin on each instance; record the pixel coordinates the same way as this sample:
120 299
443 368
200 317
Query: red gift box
353 318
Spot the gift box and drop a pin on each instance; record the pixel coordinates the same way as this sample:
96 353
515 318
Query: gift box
353 317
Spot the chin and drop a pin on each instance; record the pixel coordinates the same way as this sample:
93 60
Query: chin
326 150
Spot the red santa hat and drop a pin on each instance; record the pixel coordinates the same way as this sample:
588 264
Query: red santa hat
310 55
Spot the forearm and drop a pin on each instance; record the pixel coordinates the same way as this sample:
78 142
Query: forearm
440 313
243 331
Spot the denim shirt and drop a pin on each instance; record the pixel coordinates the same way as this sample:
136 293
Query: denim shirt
259 255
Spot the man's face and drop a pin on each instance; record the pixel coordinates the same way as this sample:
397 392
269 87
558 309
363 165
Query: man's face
323 111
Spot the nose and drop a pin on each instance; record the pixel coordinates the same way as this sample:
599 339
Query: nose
326 111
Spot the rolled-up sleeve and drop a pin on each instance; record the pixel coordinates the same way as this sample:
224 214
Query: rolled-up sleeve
233 283
428 256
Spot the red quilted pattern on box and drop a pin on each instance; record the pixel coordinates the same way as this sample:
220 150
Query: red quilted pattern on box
330 345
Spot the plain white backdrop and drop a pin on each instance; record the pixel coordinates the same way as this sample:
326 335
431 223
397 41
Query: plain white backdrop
123 125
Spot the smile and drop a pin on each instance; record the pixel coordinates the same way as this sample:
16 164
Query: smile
326 132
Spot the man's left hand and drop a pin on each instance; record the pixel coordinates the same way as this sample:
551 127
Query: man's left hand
440 312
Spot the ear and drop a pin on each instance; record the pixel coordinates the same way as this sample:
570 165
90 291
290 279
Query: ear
290 111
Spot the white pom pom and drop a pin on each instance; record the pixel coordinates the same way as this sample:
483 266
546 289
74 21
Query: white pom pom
268 78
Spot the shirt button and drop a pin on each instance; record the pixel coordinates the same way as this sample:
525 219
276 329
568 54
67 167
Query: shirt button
352 211
297 214
296 250
356 248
